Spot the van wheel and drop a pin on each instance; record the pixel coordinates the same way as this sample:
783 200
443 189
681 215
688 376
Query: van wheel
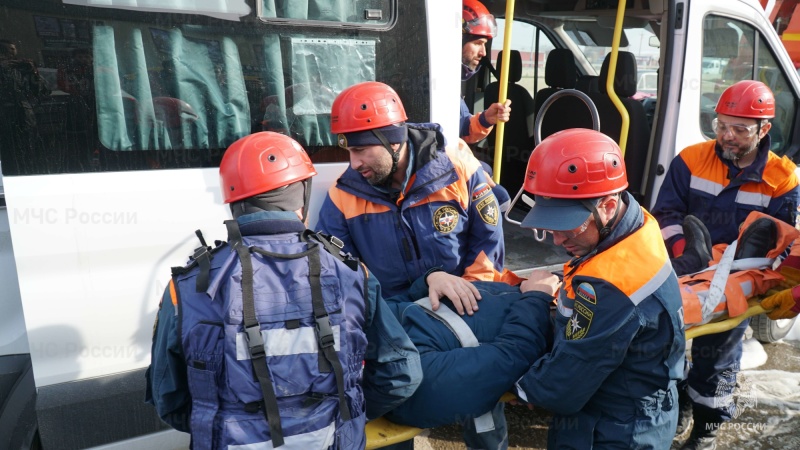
768 331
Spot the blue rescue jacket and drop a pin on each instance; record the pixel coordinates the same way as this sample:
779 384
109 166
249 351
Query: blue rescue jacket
447 217
201 378
702 183
610 379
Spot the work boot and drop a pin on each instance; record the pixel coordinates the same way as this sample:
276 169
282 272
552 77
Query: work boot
705 429
757 239
684 410
698 242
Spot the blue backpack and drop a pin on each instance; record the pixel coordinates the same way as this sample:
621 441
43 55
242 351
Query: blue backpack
272 333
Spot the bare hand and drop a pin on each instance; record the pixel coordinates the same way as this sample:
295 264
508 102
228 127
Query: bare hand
541 281
461 292
498 112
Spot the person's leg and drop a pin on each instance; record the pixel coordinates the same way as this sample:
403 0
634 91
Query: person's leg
712 379
496 439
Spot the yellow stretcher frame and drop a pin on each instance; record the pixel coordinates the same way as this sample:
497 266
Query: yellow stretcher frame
381 432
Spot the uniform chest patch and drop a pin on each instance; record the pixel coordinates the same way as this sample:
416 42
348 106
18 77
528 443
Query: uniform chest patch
445 219
487 209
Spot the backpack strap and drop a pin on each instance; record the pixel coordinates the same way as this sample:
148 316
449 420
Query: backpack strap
201 257
255 342
325 338
332 245
328 359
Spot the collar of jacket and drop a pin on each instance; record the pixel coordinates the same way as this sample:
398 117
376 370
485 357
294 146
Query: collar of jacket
631 221
270 222
433 169
754 171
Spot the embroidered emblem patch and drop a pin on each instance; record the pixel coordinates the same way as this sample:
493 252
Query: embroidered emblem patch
445 219
586 292
488 210
342 140
480 191
578 325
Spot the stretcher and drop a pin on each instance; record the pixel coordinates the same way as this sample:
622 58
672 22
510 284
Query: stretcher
381 432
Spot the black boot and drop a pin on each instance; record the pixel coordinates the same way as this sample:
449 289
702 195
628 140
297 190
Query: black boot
704 432
684 410
757 239
697 251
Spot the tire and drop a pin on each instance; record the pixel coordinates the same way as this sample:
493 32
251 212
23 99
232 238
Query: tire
768 331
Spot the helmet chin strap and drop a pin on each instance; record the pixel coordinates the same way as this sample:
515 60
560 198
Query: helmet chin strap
395 154
603 229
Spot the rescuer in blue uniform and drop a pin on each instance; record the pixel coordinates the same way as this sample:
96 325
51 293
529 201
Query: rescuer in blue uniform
610 379
261 340
720 182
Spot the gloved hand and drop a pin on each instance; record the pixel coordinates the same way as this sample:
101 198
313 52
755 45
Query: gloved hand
784 304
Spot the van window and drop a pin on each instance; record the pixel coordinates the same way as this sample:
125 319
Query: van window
123 87
733 51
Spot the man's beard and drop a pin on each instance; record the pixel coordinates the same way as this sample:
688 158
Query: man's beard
741 151
378 177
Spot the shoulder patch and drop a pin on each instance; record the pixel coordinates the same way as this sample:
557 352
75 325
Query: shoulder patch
579 323
445 219
480 191
586 292
487 209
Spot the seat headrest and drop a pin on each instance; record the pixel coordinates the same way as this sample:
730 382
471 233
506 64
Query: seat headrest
514 66
624 79
560 70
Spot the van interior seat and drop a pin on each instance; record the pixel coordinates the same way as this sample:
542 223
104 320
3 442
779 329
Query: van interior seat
518 134
611 121
567 112
587 83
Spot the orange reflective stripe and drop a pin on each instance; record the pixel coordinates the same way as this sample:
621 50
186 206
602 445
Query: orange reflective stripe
172 294
352 206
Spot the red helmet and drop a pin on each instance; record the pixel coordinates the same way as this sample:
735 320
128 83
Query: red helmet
747 98
366 106
576 164
262 162
475 19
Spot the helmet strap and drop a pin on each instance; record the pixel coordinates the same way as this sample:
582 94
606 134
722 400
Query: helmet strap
603 229
395 154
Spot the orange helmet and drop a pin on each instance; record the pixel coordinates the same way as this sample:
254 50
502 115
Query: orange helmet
576 164
476 20
747 98
366 106
262 162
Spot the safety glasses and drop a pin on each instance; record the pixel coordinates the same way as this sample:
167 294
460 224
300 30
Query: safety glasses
570 234
739 130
